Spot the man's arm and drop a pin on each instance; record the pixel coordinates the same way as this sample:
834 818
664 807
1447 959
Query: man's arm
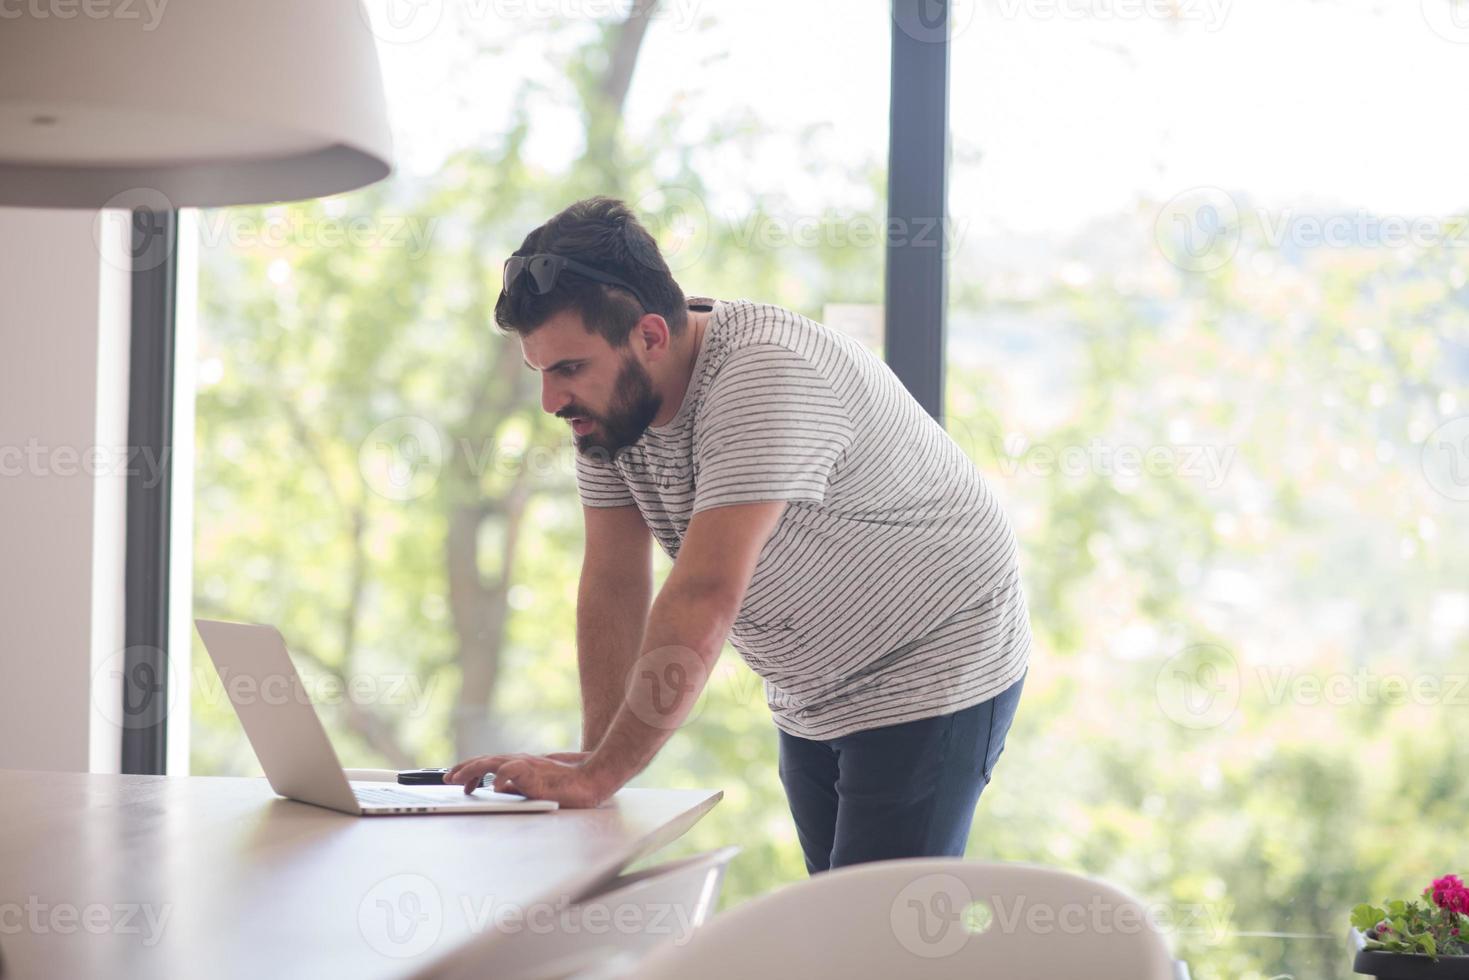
686 631
611 611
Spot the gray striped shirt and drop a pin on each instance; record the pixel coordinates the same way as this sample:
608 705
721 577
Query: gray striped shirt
889 591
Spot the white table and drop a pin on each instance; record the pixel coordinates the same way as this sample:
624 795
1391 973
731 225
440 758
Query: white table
196 876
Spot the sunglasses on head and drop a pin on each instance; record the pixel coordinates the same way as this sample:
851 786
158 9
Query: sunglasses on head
544 267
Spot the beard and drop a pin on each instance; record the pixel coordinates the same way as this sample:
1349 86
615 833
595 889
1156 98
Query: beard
633 408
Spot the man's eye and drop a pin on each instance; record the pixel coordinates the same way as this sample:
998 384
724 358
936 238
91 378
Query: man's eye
569 370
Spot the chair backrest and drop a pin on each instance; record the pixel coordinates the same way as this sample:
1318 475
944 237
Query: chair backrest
602 934
928 918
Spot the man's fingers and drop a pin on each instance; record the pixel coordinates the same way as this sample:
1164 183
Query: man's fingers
505 778
524 775
485 763
473 774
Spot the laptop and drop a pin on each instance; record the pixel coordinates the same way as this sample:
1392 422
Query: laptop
292 746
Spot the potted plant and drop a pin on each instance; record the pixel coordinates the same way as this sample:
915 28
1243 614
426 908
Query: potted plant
1417 940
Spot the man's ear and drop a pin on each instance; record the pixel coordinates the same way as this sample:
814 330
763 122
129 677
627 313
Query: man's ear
651 336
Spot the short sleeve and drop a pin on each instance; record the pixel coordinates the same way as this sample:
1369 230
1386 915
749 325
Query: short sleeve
771 427
600 485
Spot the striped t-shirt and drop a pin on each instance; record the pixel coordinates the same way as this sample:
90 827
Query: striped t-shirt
889 590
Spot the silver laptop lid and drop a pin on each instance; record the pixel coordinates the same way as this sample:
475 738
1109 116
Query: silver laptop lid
277 714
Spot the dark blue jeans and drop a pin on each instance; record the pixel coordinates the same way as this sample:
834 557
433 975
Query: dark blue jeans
900 791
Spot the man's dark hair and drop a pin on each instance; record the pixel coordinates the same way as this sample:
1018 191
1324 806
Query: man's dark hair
605 234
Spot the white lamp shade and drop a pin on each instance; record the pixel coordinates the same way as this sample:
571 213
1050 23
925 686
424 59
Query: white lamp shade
195 103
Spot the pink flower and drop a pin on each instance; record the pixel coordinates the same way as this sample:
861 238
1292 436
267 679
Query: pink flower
1449 892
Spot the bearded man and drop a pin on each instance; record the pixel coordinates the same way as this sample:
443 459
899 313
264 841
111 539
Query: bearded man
817 518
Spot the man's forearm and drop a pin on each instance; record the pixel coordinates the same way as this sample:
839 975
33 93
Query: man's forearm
610 621
686 630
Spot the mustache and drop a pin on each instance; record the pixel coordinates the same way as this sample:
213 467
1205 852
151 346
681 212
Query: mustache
574 412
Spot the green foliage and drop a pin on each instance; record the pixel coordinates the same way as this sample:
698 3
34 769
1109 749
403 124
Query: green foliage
1411 927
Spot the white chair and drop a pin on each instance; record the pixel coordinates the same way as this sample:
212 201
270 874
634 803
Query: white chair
928 919
603 934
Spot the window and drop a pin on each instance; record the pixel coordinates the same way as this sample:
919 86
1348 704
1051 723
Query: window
1207 333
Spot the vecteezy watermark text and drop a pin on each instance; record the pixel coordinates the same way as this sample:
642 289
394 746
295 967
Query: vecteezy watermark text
1200 229
134 687
1205 463
39 917
403 915
40 460
1210 13
290 226
936 915
834 230
1202 686
86 9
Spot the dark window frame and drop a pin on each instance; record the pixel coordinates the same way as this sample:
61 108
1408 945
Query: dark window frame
154 252
915 296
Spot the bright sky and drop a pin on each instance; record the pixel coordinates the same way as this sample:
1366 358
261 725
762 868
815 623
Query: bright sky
1294 101
1077 106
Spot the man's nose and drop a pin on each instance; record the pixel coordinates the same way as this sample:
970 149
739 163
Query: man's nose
553 399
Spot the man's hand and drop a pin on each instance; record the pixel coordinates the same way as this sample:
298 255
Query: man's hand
561 776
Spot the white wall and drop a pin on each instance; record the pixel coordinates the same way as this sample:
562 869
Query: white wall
64 295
